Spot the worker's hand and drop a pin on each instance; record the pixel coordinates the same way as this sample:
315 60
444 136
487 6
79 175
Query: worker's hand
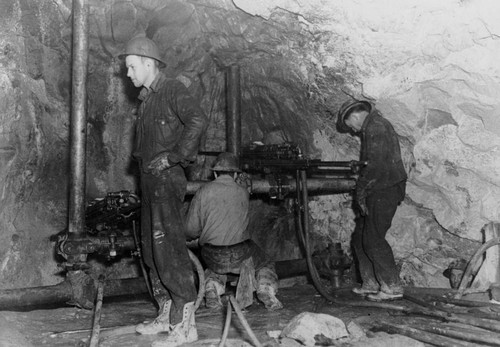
159 163
243 179
363 210
360 199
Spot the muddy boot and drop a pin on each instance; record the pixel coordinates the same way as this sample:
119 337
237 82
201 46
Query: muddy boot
267 295
215 286
160 324
366 289
183 332
387 293
383 296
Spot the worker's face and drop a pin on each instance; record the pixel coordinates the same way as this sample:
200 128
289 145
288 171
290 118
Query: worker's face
355 120
456 278
139 70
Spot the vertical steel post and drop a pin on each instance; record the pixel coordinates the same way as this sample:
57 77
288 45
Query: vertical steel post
233 119
78 121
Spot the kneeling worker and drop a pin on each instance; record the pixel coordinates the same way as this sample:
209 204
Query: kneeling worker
218 216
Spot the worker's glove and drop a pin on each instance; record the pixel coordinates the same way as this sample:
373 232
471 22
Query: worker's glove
243 179
361 203
159 163
360 200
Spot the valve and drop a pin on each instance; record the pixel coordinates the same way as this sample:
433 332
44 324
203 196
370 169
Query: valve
279 187
112 245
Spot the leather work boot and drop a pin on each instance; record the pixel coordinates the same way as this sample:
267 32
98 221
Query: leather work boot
364 291
387 293
383 296
183 332
212 299
266 294
160 324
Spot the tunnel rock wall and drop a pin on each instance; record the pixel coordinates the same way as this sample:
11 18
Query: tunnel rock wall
431 68
34 92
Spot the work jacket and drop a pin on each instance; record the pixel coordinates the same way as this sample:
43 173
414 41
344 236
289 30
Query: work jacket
380 148
169 120
218 213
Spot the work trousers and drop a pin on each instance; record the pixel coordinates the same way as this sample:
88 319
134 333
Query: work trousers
245 259
163 239
250 280
374 254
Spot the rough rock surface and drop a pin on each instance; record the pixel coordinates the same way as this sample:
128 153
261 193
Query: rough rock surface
430 67
307 327
355 331
34 75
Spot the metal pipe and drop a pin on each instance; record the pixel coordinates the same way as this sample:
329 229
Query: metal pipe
36 296
314 186
233 119
24 298
290 268
76 217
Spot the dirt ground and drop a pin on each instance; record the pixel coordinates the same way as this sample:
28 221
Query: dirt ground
70 326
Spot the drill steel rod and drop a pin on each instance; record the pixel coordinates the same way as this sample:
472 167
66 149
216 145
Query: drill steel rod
314 186
432 311
78 122
420 335
461 333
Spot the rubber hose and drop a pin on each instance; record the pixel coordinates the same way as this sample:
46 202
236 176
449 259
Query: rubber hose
225 332
201 278
304 237
244 322
472 266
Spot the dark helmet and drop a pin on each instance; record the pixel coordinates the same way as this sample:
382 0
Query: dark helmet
346 109
144 47
226 162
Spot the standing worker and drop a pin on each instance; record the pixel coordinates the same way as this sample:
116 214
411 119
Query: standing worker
379 190
168 129
218 216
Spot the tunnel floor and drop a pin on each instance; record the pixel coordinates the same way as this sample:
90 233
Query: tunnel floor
70 326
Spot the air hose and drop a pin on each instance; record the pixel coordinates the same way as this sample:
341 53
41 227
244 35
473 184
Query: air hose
194 259
201 278
303 232
473 265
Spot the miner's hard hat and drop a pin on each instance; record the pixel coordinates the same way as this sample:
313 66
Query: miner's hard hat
227 162
346 109
143 47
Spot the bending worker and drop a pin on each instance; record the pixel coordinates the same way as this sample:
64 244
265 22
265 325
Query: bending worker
168 128
218 216
379 190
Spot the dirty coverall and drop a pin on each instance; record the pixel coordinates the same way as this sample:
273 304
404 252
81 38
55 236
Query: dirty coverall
382 183
218 215
169 121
